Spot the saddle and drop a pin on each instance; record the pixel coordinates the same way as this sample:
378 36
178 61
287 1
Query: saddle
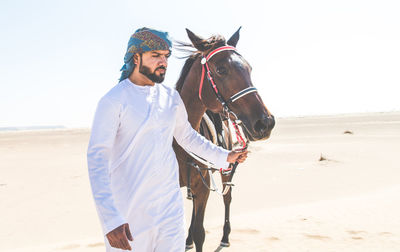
215 129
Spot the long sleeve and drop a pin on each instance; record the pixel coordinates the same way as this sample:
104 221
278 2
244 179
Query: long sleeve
192 141
104 130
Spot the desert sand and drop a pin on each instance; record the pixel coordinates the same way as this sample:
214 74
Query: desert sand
286 197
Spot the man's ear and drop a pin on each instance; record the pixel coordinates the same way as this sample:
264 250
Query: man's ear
136 58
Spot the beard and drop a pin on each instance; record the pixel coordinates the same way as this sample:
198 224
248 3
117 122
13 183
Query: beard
152 75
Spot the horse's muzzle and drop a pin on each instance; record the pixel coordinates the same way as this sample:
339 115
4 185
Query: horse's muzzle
263 127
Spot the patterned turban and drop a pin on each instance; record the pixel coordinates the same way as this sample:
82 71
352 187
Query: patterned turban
143 40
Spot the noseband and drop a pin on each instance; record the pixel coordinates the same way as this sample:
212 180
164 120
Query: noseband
233 98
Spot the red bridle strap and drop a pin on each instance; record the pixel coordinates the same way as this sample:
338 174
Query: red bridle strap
239 136
220 49
201 81
204 62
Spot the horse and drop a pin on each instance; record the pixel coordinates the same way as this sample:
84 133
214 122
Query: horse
228 91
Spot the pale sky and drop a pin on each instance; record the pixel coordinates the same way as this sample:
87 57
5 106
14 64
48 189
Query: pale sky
57 58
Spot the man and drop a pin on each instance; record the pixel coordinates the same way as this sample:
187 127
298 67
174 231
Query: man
132 166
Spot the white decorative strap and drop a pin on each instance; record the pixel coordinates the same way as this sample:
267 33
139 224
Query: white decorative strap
211 127
220 49
243 93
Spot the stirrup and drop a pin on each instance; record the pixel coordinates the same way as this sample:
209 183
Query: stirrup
228 184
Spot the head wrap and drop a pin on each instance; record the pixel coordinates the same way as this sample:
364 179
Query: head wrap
143 40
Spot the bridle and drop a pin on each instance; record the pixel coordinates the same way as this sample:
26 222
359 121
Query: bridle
233 98
225 104
227 112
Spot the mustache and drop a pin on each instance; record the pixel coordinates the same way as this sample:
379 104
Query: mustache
161 67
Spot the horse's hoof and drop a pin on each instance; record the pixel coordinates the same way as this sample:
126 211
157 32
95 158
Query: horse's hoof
225 244
189 247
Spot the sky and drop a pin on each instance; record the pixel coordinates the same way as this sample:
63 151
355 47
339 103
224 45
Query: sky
58 58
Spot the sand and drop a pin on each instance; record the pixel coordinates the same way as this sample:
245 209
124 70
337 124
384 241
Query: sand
284 199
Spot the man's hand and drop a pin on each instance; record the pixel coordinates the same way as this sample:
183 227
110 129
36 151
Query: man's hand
237 156
118 238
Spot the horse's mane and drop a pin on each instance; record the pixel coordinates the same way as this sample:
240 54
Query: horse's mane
192 54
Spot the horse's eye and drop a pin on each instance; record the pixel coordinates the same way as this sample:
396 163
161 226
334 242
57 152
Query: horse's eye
221 70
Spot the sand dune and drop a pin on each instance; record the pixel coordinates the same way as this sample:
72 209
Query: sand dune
284 199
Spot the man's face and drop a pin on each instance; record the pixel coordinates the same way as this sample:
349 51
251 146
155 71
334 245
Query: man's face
154 64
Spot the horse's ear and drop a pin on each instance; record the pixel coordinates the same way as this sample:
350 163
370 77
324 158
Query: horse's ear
197 41
234 39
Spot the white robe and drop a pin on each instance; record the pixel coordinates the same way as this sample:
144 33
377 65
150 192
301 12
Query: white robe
132 166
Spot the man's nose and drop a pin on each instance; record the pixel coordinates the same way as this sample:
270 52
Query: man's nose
163 61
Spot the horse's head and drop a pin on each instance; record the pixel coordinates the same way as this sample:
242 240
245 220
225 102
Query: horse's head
233 89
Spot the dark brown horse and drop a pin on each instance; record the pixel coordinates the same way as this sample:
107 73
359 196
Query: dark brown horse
231 77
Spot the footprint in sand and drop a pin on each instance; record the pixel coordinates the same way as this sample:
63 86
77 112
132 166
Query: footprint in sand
75 246
70 246
354 232
248 231
385 233
317 237
93 245
273 238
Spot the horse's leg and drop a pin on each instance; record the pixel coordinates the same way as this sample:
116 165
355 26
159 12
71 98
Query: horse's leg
189 239
201 193
227 224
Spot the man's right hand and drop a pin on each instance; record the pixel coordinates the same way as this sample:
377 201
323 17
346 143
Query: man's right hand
237 156
118 238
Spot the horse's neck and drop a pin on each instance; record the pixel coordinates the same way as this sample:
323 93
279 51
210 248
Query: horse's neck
195 109
189 93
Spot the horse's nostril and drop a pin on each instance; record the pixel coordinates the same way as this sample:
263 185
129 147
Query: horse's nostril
271 122
265 124
260 126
